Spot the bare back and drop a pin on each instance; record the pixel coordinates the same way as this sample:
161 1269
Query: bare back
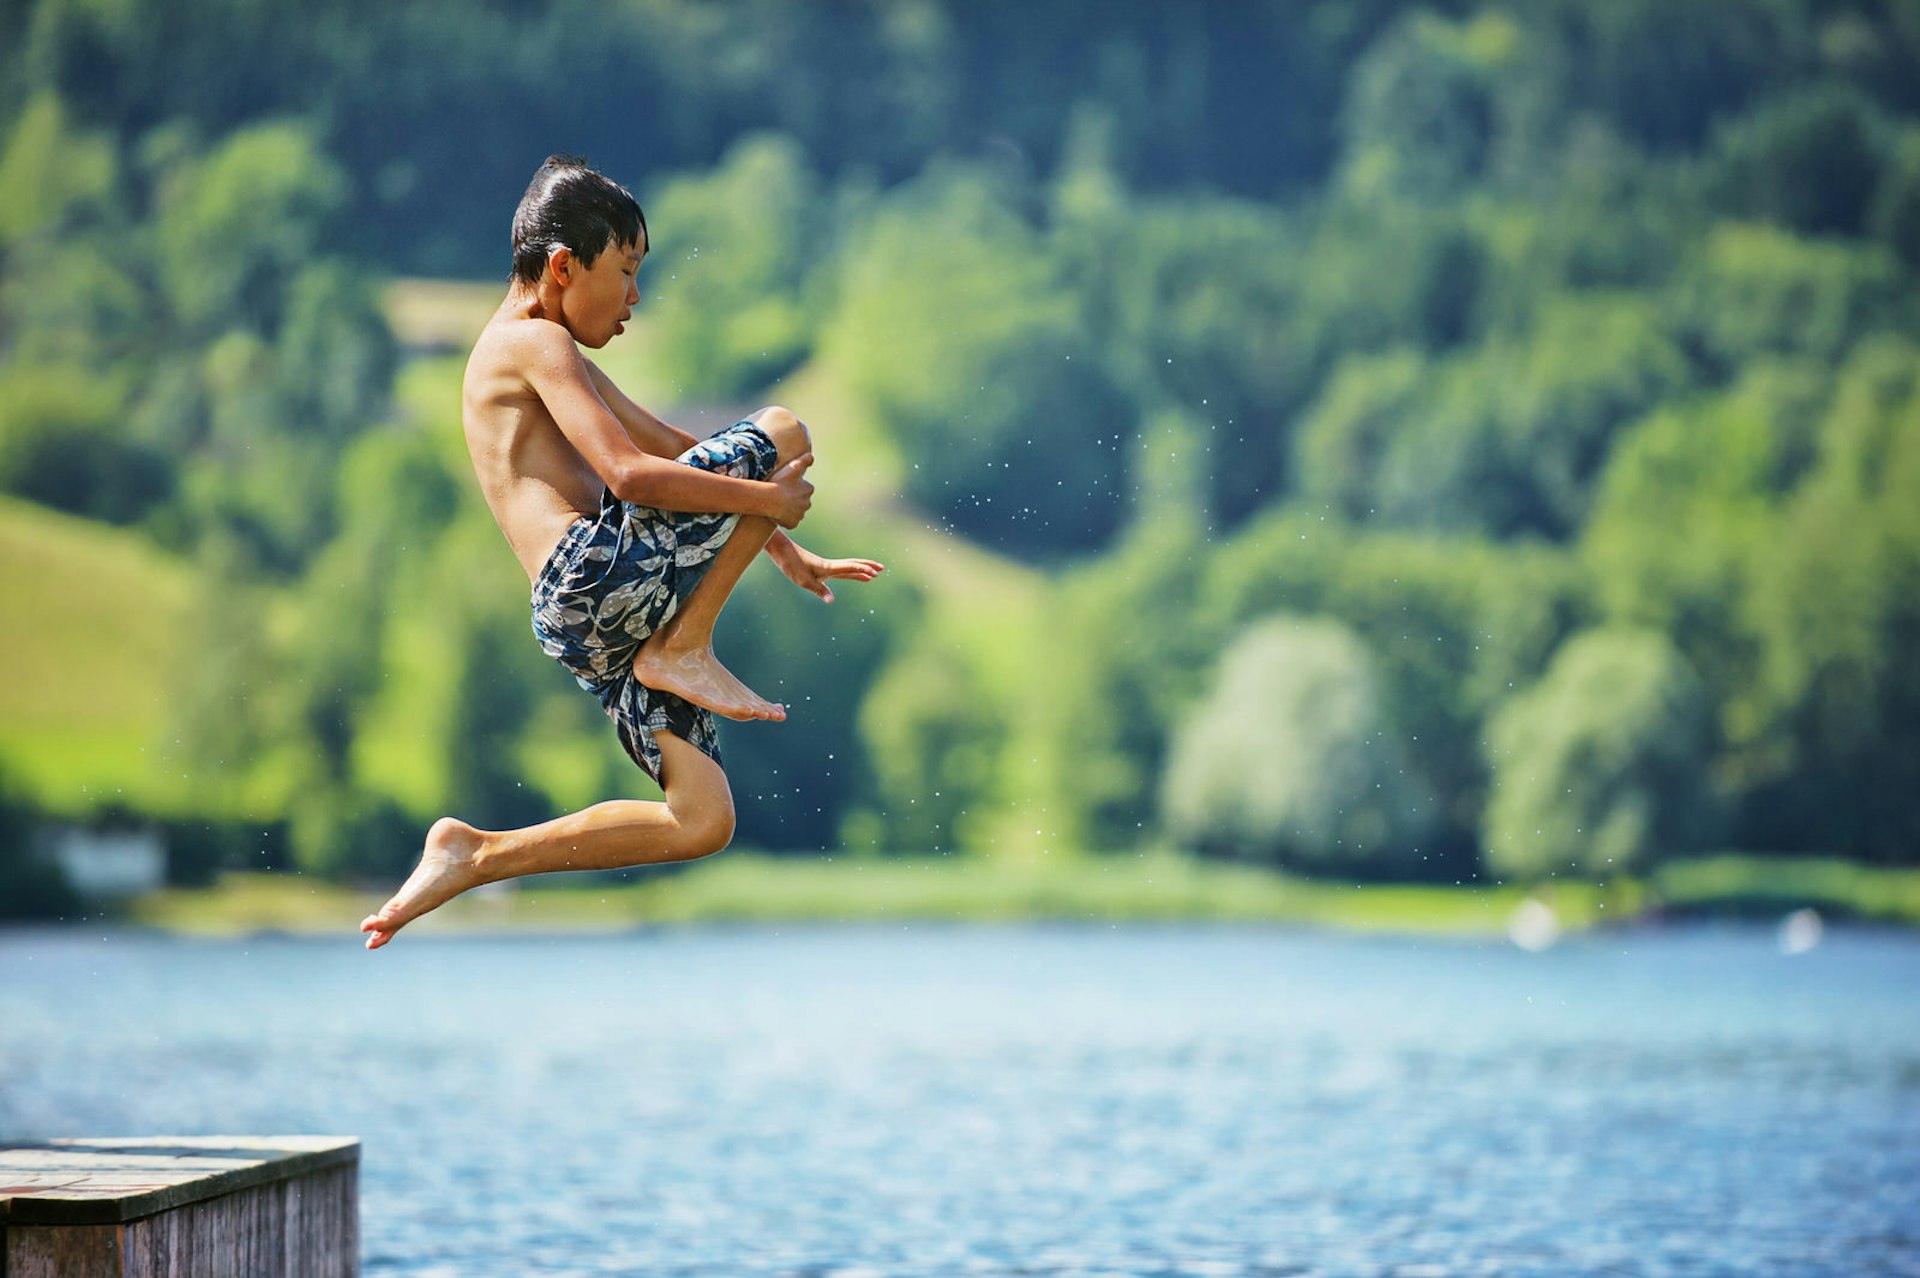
535 481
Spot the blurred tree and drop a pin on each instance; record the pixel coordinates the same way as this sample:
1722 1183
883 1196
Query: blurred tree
1381 274
1453 626
280 353
1683 537
1146 654
1192 304
235 227
1758 291
1293 757
1598 214
1808 160
1508 439
393 492
1895 215
955 326
333 358
1362 415
249 465
345 833
228 704
62 444
69 298
1591 365
1421 118
932 737
735 248
53 173
1663 74
1838 611
1601 769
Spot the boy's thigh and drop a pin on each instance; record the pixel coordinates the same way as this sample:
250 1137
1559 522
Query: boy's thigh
597 600
691 774
645 717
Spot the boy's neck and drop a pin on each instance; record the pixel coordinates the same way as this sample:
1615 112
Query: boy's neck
533 300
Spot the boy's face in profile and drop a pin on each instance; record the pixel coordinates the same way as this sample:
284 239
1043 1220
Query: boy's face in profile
598 299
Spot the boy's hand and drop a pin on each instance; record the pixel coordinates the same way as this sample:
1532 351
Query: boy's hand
812 573
796 494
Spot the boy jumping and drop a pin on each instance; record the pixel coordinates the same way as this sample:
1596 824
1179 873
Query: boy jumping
633 534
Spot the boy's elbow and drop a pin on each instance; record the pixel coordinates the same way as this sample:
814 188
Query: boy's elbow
634 482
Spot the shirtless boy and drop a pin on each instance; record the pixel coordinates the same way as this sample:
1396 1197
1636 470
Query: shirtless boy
633 534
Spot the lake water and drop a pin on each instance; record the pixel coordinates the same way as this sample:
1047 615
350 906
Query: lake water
934 1101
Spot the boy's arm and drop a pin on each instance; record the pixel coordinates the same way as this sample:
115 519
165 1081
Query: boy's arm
648 432
557 372
804 568
812 573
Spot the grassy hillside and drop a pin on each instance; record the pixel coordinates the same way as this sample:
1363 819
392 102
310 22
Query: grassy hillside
90 618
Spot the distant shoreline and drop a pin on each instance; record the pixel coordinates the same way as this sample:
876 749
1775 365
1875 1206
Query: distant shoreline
1152 888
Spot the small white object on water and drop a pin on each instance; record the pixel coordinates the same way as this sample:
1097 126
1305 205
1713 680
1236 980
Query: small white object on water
1799 931
1533 925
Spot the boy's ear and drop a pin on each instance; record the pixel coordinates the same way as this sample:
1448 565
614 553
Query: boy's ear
560 262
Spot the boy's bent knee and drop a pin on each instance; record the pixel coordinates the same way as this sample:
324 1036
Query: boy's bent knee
707 831
788 433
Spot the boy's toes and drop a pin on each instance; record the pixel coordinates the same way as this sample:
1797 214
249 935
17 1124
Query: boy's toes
379 930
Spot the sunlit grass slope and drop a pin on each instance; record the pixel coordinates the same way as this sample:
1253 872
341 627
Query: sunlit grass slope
91 617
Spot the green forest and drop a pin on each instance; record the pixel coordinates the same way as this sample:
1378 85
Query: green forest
1400 442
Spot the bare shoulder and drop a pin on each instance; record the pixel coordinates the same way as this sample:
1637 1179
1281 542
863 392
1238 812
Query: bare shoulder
511 361
520 347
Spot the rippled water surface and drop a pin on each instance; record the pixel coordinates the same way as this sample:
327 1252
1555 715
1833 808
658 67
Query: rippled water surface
1043 1102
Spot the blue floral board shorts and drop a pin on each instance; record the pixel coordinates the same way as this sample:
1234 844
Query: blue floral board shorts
616 578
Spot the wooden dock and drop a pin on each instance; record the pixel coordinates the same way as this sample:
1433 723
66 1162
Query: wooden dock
181 1207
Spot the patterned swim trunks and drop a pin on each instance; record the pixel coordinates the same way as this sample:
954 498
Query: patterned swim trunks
616 578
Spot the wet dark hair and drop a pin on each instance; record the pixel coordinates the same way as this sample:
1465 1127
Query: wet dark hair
568 204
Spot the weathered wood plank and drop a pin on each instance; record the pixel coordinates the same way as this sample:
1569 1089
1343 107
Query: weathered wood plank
323 1232
120 1180
295 1216
63 1251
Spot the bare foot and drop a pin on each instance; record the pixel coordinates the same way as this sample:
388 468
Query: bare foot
697 675
445 871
